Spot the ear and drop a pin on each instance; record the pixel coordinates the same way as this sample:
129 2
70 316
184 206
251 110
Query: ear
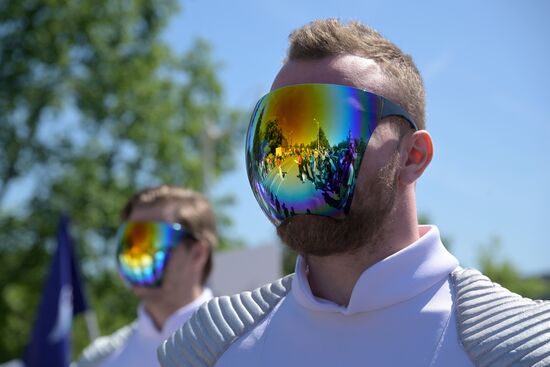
198 253
418 153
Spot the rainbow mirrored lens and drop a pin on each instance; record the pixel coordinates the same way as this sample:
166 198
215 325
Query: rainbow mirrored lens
144 249
305 144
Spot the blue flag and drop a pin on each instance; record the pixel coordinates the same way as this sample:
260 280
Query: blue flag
62 297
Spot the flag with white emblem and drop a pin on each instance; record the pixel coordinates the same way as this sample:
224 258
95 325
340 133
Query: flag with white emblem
62 298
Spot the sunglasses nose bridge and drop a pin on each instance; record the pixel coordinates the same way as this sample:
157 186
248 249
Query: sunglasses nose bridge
134 249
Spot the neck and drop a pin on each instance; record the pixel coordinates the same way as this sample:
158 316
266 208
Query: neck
160 308
333 277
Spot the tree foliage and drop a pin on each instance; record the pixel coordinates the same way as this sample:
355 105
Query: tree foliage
273 135
505 273
94 106
322 141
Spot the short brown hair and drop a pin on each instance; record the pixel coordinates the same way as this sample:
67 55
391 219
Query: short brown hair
329 37
193 211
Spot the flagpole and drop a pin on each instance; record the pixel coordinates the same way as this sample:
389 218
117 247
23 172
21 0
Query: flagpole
91 324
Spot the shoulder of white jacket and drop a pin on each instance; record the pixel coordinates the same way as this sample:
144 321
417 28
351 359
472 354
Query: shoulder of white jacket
498 327
104 346
218 323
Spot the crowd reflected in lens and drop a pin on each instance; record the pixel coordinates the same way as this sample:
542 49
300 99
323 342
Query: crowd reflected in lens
317 165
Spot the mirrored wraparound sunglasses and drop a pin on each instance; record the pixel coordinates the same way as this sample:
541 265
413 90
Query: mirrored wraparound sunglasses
143 250
305 144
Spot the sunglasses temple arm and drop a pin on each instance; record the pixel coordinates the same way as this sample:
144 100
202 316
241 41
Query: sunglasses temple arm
391 109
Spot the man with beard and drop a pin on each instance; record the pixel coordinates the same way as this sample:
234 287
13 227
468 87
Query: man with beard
371 286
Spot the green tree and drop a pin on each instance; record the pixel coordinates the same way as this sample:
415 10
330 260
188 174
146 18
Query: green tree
257 150
505 273
94 107
322 142
274 136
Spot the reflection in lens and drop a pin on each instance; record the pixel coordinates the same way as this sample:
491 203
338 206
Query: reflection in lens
304 148
143 251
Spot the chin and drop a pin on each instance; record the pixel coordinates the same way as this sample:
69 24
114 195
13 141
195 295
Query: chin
314 235
144 292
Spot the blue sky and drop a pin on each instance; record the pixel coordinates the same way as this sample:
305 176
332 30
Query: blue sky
485 67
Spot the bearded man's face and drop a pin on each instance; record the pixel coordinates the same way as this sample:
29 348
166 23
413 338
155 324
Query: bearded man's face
373 202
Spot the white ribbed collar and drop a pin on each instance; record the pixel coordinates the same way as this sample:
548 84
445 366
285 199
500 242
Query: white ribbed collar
395 279
146 326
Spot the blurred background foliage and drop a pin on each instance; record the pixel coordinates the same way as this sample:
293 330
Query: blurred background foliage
505 273
94 106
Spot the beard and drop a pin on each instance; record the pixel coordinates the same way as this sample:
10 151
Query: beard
363 227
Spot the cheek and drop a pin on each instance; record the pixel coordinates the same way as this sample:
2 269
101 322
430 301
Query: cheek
369 165
179 259
380 150
378 167
367 174
177 265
